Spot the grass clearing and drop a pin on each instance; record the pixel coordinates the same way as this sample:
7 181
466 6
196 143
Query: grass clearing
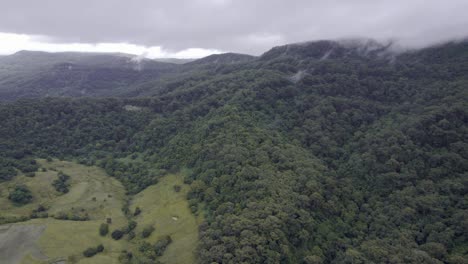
168 211
93 192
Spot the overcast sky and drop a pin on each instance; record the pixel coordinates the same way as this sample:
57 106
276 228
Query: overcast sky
196 28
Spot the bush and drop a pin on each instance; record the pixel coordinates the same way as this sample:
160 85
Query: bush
93 251
131 235
100 248
161 245
131 225
103 229
6 172
137 211
177 188
117 234
61 184
147 231
89 252
30 174
39 212
20 195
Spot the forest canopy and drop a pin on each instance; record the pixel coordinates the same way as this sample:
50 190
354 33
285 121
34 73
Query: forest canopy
358 159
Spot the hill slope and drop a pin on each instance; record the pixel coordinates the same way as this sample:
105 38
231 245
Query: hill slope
291 157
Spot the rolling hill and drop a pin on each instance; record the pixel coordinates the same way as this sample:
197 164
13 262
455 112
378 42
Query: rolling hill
317 152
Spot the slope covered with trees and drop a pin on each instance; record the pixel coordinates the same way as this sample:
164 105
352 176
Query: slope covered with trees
320 152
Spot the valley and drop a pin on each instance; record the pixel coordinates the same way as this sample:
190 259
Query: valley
48 239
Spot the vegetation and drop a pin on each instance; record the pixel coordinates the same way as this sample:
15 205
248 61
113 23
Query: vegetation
20 195
359 157
137 211
161 245
103 229
61 184
147 231
117 234
89 252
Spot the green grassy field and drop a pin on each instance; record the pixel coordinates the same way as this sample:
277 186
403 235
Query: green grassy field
168 211
101 197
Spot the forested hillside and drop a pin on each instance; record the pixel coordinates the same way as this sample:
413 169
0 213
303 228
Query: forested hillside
320 152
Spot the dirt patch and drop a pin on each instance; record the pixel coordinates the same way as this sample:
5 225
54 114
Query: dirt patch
16 241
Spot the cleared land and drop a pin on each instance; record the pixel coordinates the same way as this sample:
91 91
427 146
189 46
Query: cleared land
94 193
168 211
17 240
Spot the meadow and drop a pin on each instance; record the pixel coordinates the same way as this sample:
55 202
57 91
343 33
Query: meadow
100 197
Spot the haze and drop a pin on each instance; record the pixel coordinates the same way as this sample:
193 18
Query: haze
196 28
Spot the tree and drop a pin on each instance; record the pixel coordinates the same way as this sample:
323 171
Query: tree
161 245
117 234
20 195
103 229
62 183
89 252
147 231
137 211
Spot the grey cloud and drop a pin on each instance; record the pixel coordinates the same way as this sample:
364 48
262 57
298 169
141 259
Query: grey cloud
250 26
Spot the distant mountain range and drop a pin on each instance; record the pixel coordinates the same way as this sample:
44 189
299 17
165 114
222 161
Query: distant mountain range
31 74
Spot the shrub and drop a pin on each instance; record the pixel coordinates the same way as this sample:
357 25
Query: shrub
131 225
93 251
20 195
100 248
117 234
61 184
147 231
90 252
137 211
131 235
161 245
103 229
6 172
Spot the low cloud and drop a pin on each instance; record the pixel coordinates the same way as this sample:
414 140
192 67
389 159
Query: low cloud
247 26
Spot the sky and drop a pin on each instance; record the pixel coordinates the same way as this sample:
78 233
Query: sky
197 28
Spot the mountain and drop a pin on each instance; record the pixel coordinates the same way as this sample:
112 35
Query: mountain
27 74
174 60
224 58
319 152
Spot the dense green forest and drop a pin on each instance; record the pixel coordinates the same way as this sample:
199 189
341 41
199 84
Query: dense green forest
312 153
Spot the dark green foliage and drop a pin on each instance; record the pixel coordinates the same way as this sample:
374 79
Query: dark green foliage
39 212
20 195
137 211
100 248
93 251
103 229
26 165
161 245
74 216
62 183
131 225
6 172
147 231
131 235
117 234
296 158
125 256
